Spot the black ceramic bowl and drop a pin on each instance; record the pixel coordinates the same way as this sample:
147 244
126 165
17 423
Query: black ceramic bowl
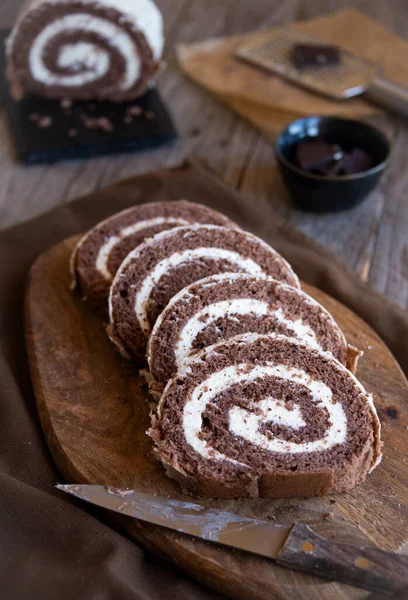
319 193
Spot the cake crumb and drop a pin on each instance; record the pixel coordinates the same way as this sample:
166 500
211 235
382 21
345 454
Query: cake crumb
66 103
128 119
149 114
44 122
34 117
332 501
134 111
328 516
72 132
101 123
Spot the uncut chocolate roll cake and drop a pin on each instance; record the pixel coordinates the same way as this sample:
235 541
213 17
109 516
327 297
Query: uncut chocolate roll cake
160 267
265 416
85 49
101 251
222 306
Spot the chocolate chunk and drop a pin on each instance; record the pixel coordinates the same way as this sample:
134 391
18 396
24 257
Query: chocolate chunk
317 156
350 163
313 153
356 161
305 56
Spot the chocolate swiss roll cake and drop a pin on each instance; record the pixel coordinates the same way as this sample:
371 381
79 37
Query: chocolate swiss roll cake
160 267
222 306
100 252
85 49
265 416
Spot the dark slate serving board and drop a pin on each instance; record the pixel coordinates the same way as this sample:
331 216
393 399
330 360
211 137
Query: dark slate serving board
153 127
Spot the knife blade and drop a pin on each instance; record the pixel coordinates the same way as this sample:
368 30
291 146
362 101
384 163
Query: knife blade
296 546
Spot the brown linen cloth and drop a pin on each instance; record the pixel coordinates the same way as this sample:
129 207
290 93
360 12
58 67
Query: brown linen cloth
50 545
269 102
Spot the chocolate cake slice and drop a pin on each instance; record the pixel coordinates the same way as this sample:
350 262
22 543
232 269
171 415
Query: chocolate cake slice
159 268
99 254
222 306
265 416
85 49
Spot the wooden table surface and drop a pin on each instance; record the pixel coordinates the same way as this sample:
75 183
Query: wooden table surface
372 239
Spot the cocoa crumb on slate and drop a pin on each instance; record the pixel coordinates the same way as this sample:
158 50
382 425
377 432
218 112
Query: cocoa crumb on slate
66 103
134 110
101 123
128 119
44 122
72 132
149 114
34 117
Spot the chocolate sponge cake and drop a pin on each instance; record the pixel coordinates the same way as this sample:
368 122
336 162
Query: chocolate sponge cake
159 268
99 254
222 306
85 49
265 416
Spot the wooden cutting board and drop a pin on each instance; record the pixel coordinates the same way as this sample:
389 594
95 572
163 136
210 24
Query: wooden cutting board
94 413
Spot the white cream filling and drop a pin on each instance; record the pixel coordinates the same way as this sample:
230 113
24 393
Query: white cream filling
246 425
237 307
145 16
104 251
175 260
81 55
99 58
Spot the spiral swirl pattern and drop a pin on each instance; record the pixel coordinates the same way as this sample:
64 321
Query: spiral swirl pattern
158 269
100 252
223 306
85 48
261 409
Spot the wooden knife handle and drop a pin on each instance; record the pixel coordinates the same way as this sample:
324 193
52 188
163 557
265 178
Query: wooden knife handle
368 568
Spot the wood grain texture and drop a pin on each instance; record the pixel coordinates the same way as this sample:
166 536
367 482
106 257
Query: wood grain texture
369 568
371 239
93 409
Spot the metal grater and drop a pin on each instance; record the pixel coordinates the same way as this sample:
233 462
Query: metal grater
272 51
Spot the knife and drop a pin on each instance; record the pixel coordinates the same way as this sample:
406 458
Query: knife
295 546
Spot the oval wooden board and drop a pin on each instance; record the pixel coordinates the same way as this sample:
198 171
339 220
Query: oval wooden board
94 414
